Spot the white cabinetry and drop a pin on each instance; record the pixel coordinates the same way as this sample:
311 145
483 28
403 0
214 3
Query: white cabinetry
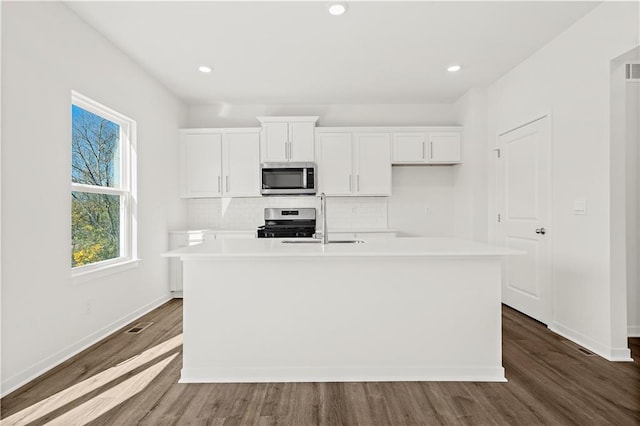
220 162
428 147
287 138
409 147
354 163
444 148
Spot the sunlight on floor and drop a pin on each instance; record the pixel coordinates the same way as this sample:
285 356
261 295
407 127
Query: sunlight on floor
112 397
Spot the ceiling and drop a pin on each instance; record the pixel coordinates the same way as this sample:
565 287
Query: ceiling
295 52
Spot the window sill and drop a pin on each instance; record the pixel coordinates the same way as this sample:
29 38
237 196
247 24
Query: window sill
78 277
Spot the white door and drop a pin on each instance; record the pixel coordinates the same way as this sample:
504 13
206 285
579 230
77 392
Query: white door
336 164
201 165
373 164
525 191
242 165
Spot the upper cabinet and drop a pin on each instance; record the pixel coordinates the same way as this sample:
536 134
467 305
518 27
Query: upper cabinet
353 163
428 147
220 162
287 138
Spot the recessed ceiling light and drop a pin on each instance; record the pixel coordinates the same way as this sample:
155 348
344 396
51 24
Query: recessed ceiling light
454 68
337 9
205 69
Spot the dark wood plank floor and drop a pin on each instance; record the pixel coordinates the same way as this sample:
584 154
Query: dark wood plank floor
120 381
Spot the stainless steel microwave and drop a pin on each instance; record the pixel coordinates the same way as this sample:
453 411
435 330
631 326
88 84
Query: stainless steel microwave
288 178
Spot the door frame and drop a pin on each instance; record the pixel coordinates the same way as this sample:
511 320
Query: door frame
501 194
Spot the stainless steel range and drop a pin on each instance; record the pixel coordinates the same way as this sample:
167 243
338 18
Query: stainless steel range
288 223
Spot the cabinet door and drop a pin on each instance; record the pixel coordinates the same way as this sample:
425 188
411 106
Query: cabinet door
201 165
241 165
336 164
275 146
301 146
373 163
444 148
409 147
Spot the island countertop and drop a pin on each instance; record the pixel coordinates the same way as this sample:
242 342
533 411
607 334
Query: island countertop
391 247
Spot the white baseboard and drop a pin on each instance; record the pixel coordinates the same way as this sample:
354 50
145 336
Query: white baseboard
633 331
11 384
608 353
342 374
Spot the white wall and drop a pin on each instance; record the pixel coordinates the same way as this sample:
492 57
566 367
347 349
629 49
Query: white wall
344 213
470 194
570 78
226 115
422 201
48 52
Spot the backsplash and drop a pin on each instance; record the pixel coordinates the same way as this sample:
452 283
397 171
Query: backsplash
248 213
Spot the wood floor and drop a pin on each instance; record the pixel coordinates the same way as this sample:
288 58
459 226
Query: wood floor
130 379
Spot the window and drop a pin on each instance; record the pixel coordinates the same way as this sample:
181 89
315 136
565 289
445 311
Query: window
102 187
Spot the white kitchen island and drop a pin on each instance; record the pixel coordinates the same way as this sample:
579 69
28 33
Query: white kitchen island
405 309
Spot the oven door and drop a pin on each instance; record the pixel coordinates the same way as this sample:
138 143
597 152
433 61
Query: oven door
288 179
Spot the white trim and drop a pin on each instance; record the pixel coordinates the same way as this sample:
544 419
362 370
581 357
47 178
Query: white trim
608 353
342 374
37 369
97 270
207 131
390 129
97 108
93 189
276 119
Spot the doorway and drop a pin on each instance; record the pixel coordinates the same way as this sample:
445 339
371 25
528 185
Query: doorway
524 171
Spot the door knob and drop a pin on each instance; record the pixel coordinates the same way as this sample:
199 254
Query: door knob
541 231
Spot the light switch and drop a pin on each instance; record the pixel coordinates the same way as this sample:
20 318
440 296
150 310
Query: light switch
580 207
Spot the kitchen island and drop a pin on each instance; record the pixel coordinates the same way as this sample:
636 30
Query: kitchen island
404 309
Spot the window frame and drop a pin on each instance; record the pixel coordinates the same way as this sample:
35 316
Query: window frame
126 191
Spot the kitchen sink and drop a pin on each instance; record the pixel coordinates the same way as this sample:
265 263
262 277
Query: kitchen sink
318 242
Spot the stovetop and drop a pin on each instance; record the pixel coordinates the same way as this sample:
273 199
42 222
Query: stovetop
288 223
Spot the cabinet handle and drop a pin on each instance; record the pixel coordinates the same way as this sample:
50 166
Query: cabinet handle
423 149
431 150
358 182
219 184
350 183
290 150
227 181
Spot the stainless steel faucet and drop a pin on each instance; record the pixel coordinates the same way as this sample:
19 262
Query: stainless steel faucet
323 212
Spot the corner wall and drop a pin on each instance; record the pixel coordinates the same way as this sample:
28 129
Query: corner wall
48 52
570 78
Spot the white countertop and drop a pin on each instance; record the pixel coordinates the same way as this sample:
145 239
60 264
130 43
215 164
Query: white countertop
213 231
245 231
402 247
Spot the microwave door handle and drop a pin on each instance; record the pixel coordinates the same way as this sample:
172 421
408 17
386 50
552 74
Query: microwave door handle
304 178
